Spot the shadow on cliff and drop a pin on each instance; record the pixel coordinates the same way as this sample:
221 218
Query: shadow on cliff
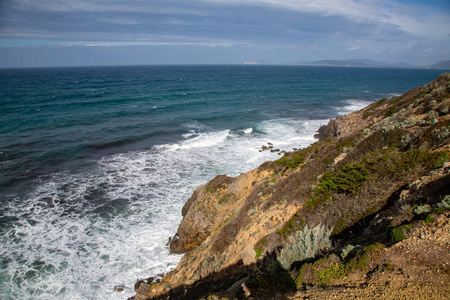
238 281
260 281
366 185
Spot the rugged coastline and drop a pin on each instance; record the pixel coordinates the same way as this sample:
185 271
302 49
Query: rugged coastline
377 179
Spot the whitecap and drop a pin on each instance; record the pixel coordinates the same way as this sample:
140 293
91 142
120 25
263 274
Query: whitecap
203 140
352 105
109 225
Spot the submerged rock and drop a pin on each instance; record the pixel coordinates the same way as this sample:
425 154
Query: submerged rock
119 288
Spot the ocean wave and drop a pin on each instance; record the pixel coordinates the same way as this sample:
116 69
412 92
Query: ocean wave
79 234
207 139
248 130
76 222
352 105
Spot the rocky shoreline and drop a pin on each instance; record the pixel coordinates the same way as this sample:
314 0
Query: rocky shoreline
327 220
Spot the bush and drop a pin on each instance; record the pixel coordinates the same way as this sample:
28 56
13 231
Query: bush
400 233
390 112
259 247
291 161
445 203
330 268
430 219
367 114
346 181
306 244
398 165
381 101
422 210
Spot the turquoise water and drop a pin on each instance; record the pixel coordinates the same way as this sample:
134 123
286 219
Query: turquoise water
96 163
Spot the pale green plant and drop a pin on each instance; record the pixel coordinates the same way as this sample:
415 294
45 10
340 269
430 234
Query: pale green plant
422 210
303 245
445 203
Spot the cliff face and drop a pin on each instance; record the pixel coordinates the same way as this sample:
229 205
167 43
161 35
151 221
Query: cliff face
372 172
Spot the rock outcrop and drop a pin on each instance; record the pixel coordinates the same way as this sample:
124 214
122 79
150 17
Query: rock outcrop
372 172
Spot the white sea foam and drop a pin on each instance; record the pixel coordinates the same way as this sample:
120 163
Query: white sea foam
248 130
79 235
203 140
352 105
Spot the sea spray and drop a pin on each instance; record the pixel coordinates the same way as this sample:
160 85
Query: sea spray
96 163
88 232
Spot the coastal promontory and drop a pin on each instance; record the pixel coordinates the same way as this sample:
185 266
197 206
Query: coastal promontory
363 213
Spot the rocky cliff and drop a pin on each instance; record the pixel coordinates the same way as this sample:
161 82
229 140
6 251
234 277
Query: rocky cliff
330 215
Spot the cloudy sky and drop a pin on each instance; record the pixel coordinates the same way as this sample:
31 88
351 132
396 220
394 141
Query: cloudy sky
119 32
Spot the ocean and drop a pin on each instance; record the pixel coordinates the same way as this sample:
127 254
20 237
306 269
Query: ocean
97 162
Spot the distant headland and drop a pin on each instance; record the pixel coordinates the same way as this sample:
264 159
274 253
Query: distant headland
364 63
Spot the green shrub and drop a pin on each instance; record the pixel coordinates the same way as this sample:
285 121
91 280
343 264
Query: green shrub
396 165
430 219
291 161
400 233
430 160
259 247
390 112
364 256
331 272
305 244
367 114
347 181
259 252
325 270
381 101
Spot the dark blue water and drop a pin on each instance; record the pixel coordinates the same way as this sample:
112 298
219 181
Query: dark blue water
96 163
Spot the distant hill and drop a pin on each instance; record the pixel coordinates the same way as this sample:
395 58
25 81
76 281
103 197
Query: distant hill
351 63
443 64
367 63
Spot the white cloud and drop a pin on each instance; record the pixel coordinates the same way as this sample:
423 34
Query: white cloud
124 44
301 28
357 10
422 21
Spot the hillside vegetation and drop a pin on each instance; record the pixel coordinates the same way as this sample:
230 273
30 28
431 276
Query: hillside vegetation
348 216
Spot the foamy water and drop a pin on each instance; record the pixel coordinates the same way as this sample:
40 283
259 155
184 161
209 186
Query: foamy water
79 235
351 106
96 163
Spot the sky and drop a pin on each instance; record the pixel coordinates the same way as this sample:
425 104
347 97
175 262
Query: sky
141 32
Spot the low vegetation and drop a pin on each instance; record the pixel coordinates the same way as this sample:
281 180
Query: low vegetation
305 244
352 196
